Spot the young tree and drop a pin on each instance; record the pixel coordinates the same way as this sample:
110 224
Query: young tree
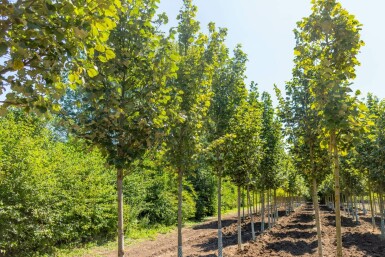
196 63
229 90
270 137
246 152
328 42
124 107
303 130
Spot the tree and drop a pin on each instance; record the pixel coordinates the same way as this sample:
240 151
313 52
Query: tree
303 127
196 63
246 126
228 91
46 44
123 108
328 42
270 136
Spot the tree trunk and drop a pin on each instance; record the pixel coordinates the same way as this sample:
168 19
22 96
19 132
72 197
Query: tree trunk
243 205
180 188
119 182
251 215
363 205
254 210
381 207
256 203
240 248
248 201
344 202
336 167
263 211
317 217
275 207
371 209
220 242
287 204
355 208
268 209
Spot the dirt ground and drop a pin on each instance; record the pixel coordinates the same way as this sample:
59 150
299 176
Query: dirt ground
294 235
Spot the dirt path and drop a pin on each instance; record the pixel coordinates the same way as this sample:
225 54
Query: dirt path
294 235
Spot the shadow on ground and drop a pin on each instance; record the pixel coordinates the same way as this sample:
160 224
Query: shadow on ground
297 248
369 243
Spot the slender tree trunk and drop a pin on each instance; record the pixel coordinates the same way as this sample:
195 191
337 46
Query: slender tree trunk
251 216
363 205
371 209
317 217
119 182
381 207
253 205
220 242
240 248
375 204
287 204
336 167
275 206
355 208
263 211
248 201
256 204
180 188
243 205
268 209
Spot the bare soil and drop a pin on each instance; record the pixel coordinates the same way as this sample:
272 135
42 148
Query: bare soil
293 235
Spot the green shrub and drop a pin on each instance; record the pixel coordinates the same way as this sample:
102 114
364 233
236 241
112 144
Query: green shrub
51 193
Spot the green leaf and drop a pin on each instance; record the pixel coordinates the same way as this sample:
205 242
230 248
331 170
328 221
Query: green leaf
102 58
92 72
100 48
110 54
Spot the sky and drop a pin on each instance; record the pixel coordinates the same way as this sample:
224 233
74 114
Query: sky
265 30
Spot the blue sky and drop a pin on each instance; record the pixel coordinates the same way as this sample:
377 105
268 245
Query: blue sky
265 30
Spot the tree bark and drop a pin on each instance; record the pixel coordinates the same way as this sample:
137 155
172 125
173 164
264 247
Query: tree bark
337 208
243 204
371 209
240 248
268 209
251 216
262 211
180 188
248 201
317 217
275 207
119 182
355 208
220 242
381 207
